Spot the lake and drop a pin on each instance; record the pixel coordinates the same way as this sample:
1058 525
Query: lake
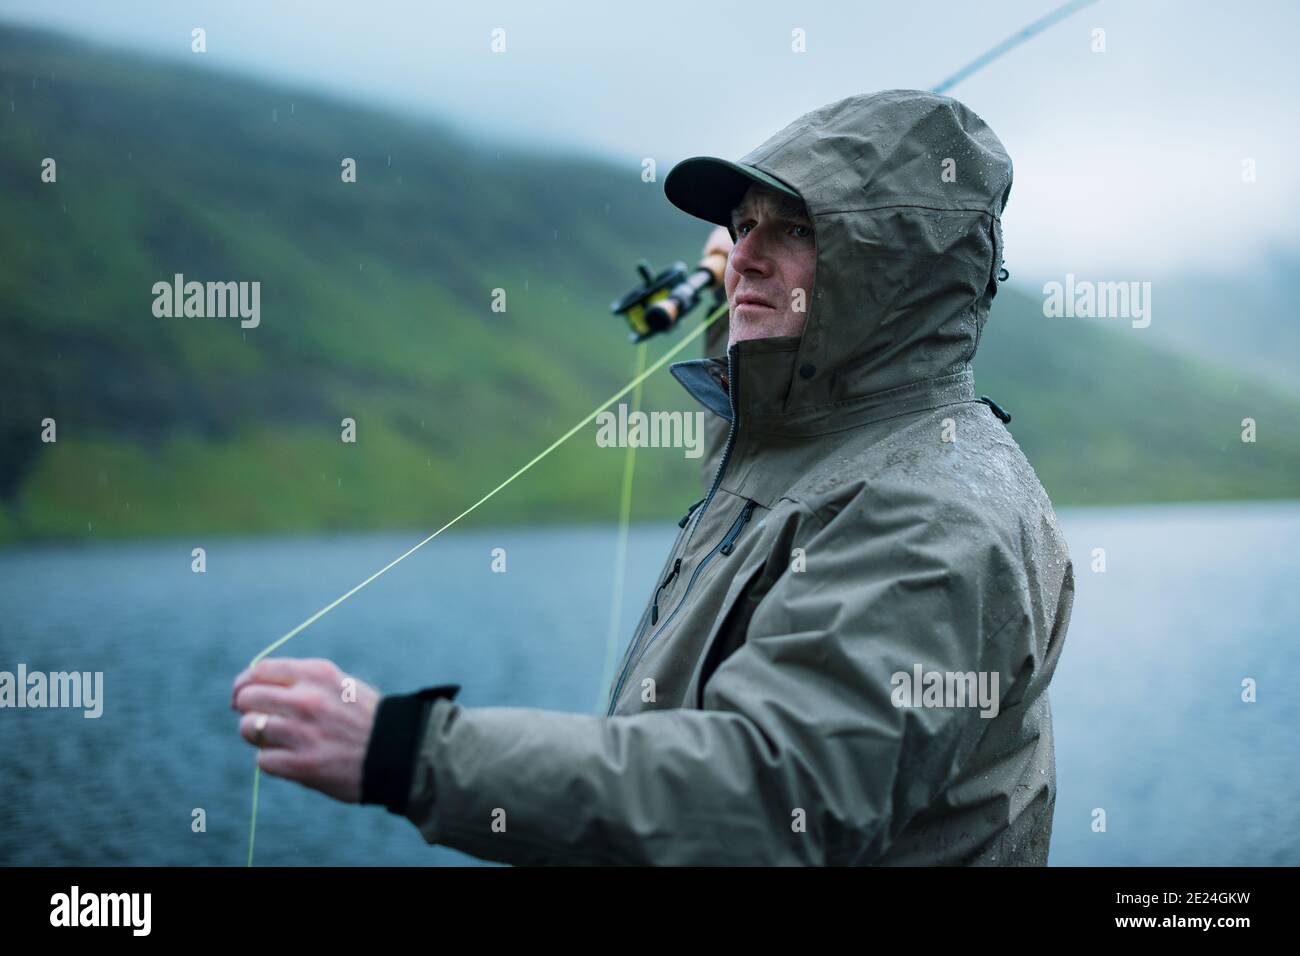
1150 724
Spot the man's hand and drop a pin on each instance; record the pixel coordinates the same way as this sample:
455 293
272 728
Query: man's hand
317 725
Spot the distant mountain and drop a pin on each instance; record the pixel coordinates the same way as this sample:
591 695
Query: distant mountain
1244 318
376 305
1106 416
1248 321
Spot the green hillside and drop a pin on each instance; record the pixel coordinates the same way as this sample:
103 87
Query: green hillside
1105 417
376 304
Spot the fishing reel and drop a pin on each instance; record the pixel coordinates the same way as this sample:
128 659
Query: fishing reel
661 301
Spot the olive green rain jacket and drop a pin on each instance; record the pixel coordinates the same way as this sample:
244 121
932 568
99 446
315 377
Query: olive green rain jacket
870 522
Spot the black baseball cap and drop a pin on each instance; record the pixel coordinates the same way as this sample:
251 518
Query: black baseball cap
709 188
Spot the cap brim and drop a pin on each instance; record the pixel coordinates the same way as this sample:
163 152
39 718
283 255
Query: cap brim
710 188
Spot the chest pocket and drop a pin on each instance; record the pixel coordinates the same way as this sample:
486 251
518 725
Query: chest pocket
750 587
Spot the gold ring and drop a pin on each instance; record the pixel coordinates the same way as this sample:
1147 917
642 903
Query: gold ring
259 728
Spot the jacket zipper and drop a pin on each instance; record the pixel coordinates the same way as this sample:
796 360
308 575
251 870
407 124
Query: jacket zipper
725 546
729 542
729 539
690 511
676 544
654 608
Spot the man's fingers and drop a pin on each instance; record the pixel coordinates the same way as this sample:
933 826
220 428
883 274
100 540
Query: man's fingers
281 763
284 671
270 671
279 732
272 699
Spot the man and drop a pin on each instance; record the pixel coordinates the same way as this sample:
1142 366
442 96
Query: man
870 525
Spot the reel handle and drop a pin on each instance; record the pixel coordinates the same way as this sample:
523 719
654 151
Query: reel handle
683 297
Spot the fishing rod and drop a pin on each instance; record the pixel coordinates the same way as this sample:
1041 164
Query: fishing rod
663 300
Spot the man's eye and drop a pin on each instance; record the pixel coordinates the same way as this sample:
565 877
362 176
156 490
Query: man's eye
743 228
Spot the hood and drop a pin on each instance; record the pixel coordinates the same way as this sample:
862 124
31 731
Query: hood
905 189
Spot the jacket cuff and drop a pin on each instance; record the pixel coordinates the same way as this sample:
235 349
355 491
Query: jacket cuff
389 766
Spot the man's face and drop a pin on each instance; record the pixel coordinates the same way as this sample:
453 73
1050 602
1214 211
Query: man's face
769 276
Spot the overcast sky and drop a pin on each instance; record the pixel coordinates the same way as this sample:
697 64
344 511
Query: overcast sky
1127 163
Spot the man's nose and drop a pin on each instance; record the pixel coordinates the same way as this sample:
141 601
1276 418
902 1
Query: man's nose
751 254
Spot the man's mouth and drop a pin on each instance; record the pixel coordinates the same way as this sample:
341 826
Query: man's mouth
753 300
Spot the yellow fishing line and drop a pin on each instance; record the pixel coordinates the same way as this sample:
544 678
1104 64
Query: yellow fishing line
252 825
635 383
620 549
